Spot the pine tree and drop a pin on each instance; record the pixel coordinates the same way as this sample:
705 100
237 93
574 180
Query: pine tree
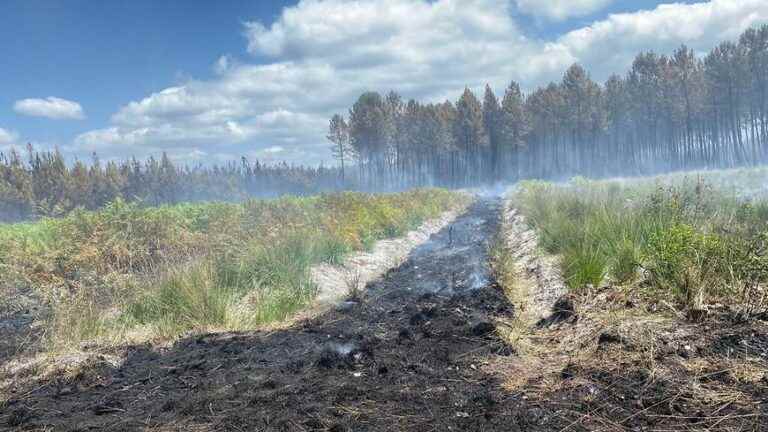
493 130
515 127
470 135
338 134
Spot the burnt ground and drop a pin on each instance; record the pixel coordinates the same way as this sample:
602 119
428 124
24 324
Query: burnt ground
651 373
21 317
422 350
409 355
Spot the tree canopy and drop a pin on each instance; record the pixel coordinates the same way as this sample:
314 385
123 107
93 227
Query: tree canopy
668 112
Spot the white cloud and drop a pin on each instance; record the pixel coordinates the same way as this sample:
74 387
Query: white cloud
223 64
7 137
558 10
51 107
319 64
610 45
322 54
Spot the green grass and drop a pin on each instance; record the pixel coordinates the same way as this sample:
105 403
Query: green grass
675 236
128 272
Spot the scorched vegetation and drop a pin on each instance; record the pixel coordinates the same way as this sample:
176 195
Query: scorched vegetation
127 272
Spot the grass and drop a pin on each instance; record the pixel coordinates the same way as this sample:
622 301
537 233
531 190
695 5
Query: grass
516 332
681 238
128 272
689 240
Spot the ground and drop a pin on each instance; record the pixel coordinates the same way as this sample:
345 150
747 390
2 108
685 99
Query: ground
424 348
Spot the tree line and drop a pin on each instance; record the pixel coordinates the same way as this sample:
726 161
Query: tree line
667 113
41 183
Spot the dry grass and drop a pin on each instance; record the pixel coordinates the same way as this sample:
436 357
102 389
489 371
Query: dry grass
630 361
658 371
127 273
354 285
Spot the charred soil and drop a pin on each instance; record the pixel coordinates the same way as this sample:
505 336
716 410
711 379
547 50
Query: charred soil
424 348
411 354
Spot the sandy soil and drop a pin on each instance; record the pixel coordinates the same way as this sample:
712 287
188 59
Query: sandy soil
538 281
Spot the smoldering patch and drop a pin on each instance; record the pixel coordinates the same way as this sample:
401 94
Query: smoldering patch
344 355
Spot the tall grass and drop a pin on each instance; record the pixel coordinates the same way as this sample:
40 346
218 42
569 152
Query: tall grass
673 236
127 271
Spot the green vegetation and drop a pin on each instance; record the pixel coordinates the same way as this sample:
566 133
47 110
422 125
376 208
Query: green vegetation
128 272
674 236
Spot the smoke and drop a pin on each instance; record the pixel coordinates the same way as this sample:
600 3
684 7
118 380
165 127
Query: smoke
478 279
495 190
455 260
342 349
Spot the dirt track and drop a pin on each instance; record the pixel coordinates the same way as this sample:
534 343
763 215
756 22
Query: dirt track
409 356
420 351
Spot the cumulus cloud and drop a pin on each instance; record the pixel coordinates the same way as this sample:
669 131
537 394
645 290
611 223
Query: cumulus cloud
51 107
273 149
322 54
319 63
610 45
558 10
8 138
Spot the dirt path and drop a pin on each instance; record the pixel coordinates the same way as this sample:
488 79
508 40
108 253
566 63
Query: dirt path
410 355
420 351
358 269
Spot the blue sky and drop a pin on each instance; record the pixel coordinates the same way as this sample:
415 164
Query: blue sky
104 54
211 81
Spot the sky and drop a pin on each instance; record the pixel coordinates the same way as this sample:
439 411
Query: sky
208 82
